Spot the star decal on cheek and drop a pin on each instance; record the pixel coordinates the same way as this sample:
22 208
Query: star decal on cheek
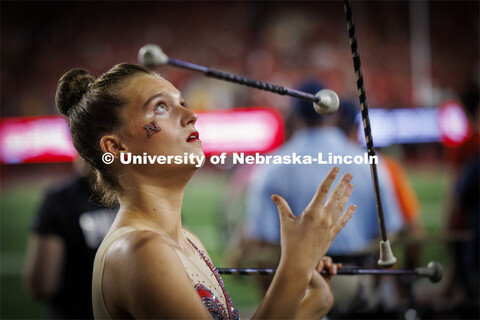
151 128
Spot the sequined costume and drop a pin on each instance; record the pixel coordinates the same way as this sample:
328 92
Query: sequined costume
208 298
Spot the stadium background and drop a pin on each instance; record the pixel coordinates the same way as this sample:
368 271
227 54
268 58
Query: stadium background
278 42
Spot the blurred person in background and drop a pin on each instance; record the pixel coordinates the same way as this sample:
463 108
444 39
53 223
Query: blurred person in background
465 210
66 232
469 99
316 134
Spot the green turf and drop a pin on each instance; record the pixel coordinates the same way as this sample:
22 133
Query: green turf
16 304
17 206
432 187
201 214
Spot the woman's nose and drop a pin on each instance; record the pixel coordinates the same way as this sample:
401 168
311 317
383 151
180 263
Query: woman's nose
188 117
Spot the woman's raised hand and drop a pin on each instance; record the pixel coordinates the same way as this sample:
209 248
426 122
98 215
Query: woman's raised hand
306 238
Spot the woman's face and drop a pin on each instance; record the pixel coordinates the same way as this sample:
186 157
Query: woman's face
158 122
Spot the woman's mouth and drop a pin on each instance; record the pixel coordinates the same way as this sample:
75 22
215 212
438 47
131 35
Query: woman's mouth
194 136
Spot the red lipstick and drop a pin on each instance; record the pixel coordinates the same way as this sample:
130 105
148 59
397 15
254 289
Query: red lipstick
194 136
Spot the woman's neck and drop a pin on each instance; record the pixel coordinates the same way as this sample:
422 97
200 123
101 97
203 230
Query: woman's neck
154 207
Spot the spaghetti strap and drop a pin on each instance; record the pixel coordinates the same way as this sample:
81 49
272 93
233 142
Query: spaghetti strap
99 308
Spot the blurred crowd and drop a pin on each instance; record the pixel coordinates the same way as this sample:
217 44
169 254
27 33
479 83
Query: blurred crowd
278 42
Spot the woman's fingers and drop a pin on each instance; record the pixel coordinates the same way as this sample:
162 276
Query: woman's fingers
322 191
324 263
283 208
343 202
338 194
343 219
327 219
320 265
327 263
332 270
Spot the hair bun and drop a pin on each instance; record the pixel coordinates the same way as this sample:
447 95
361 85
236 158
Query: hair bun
71 88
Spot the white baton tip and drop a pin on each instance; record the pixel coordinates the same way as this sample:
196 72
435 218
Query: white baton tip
151 55
386 255
329 102
436 271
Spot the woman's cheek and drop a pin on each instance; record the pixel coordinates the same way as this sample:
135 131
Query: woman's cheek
151 129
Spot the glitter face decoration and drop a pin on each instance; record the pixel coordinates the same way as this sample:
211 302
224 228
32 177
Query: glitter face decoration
151 128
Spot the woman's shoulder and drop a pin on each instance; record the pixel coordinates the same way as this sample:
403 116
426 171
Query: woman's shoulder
141 252
144 248
137 242
143 269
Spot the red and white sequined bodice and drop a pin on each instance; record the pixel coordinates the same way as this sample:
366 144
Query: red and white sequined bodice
208 284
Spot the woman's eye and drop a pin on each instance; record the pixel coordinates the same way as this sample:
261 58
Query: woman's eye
161 107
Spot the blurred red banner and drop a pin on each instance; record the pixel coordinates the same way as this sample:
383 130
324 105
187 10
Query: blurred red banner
47 139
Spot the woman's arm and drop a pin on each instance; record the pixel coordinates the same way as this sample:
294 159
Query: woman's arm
318 298
304 240
145 279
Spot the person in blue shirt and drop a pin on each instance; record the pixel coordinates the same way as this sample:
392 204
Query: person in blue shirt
297 182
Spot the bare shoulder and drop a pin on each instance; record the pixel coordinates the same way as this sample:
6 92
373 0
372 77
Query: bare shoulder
142 270
138 245
132 258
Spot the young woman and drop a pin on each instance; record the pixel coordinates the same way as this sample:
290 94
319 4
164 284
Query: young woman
149 266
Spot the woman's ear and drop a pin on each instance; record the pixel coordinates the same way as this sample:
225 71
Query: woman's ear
112 144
